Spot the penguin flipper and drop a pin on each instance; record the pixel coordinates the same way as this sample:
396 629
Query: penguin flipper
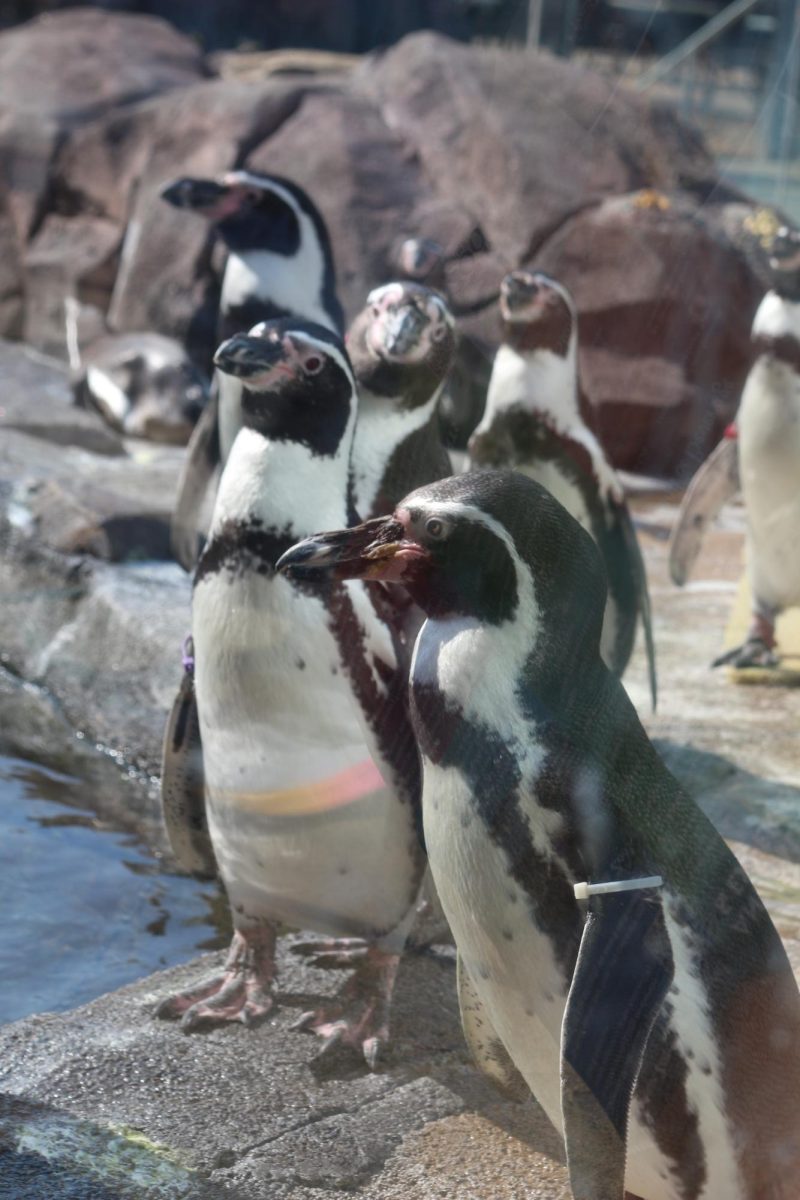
202 459
488 1052
622 975
643 598
713 485
183 788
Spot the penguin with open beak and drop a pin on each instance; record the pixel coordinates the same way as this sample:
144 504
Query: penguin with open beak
613 955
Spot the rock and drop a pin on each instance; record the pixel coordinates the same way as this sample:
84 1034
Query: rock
525 140
247 1109
66 68
70 256
666 301
12 276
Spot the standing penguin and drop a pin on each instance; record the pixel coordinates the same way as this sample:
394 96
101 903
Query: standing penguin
279 263
295 685
768 460
538 421
401 346
612 951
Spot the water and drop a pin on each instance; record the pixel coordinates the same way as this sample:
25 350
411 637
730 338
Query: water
85 908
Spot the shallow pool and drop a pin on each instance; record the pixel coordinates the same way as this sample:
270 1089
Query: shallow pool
84 908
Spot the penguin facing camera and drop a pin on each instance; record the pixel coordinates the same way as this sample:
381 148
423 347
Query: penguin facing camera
614 958
423 260
539 422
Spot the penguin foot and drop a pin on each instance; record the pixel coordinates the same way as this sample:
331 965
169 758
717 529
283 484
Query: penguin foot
358 1016
332 953
243 992
755 652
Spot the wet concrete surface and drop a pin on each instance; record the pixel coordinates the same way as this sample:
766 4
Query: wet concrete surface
250 1113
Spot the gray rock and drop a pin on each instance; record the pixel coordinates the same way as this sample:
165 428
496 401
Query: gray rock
250 1110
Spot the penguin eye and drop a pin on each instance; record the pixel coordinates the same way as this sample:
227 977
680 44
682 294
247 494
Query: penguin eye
438 332
436 528
313 365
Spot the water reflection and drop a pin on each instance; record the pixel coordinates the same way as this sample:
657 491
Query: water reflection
85 907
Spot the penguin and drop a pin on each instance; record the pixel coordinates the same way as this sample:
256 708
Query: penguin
763 458
539 421
142 384
423 260
613 955
401 346
296 686
280 263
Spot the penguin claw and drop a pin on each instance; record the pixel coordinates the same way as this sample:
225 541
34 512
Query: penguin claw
358 1016
242 993
304 1020
333 953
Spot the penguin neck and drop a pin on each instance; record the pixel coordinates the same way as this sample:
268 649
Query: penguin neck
776 329
384 423
283 486
265 284
540 381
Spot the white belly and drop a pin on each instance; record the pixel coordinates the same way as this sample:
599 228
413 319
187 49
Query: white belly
518 979
769 456
298 815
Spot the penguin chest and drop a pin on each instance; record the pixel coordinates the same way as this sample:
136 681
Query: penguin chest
299 815
229 400
769 456
512 963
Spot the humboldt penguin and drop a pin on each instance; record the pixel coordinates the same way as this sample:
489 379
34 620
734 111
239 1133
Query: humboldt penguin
279 263
423 260
763 458
142 384
296 685
401 346
613 954
538 421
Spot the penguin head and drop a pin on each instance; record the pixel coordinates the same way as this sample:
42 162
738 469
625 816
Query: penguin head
538 312
491 546
297 382
403 342
420 259
784 261
249 211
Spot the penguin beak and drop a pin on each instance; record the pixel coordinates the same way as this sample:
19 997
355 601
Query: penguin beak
245 356
401 330
209 199
377 549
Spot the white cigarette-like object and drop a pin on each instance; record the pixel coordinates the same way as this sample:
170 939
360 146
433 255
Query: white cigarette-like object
584 890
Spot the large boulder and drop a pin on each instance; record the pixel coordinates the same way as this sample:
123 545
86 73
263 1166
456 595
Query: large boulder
666 301
66 68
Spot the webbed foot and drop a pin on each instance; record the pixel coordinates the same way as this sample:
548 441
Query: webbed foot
358 1016
243 992
332 952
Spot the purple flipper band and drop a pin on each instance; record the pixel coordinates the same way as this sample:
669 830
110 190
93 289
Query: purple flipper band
187 654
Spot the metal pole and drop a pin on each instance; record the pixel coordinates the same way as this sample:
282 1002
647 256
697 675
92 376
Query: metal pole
534 23
707 33
789 90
